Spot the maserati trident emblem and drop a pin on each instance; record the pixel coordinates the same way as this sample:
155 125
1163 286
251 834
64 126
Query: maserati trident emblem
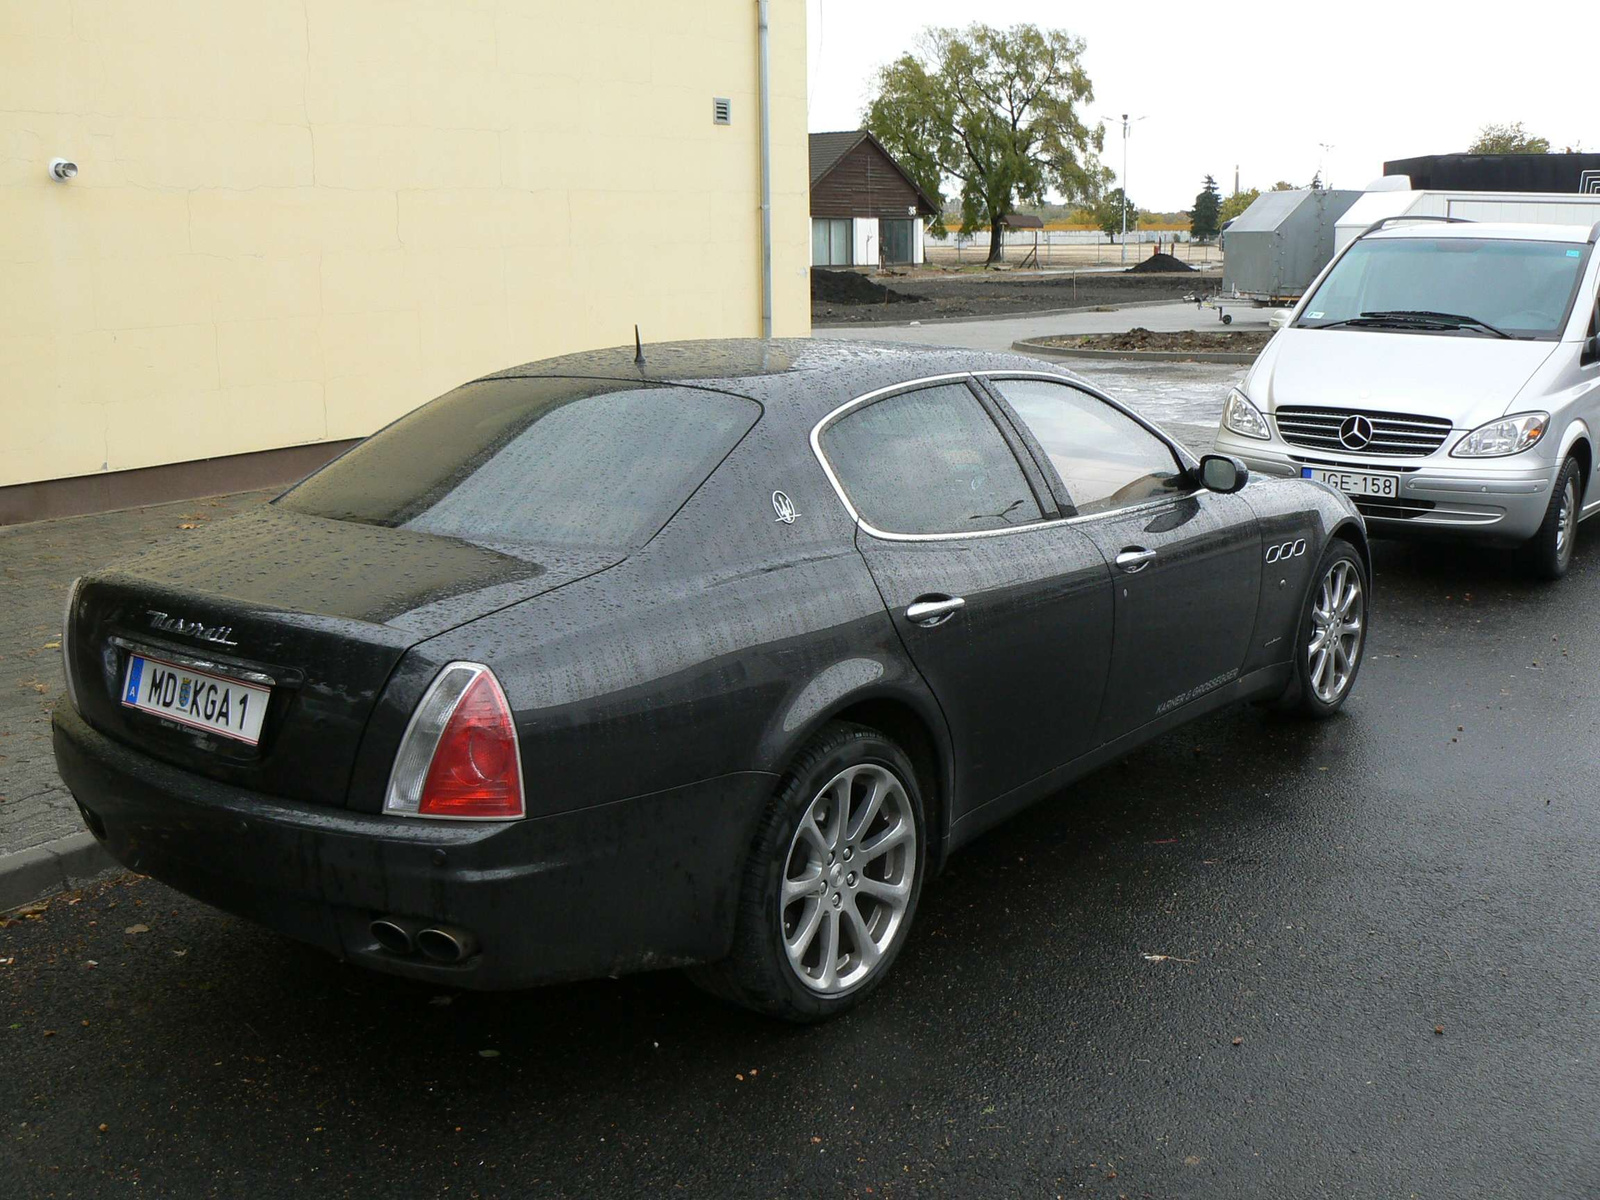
784 507
222 635
1356 433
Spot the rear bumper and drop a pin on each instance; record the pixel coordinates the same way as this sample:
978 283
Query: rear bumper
1499 501
632 885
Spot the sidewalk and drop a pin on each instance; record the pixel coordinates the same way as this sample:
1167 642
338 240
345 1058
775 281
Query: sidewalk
37 562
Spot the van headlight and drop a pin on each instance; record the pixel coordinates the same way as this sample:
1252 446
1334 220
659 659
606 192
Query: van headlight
1241 417
1508 435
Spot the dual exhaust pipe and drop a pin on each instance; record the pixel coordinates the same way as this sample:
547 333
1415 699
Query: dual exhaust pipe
441 943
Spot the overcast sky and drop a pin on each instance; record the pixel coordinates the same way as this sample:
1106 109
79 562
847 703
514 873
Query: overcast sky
1261 85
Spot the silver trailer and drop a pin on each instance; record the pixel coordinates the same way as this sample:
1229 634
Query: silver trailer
1275 248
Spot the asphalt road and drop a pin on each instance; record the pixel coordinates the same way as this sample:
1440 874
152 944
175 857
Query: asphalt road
1393 914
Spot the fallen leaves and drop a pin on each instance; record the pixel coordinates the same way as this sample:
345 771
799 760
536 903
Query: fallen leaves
137 929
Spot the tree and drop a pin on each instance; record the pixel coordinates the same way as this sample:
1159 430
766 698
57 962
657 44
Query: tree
1204 219
1108 213
996 110
1235 204
1508 139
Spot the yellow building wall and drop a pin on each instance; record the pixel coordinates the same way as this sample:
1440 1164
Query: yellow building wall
297 219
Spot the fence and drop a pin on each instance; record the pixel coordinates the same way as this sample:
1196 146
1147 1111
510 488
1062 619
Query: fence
1070 247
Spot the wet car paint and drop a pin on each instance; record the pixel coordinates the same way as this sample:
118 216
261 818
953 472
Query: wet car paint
657 698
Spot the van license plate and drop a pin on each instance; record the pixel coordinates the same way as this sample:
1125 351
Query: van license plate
1355 483
198 699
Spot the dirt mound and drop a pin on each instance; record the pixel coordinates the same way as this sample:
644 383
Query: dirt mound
1138 338
1159 264
846 287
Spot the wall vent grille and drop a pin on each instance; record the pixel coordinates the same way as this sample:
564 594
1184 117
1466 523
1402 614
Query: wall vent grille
721 110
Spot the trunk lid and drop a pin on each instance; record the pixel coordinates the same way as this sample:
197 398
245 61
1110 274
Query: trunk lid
323 608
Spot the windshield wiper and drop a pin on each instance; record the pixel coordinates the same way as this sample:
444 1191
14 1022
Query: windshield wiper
1415 318
1441 318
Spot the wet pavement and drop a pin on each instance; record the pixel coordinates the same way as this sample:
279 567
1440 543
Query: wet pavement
1185 399
1257 958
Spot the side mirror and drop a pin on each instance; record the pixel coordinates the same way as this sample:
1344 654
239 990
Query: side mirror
1591 351
1223 473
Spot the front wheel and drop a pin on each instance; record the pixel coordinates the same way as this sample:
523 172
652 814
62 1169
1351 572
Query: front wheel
1549 552
832 881
1332 636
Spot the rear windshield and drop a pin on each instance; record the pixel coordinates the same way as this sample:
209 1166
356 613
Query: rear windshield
568 462
1523 288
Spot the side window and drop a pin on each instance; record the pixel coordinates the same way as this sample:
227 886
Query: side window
929 461
1106 459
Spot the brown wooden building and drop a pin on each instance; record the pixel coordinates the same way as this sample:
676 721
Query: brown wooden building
865 208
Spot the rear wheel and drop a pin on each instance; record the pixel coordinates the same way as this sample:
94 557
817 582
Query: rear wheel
832 882
1333 634
1549 552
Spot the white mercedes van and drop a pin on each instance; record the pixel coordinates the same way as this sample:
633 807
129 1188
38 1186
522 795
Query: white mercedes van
1444 374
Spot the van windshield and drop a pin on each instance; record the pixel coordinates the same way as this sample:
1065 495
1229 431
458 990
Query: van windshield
1521 289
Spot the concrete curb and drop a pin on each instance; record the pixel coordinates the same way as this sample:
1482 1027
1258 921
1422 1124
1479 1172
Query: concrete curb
1034 346
68 862
1011 316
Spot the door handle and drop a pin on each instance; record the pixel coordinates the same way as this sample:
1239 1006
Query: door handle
934 610
1135 558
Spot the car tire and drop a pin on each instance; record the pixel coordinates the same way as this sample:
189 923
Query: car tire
1549 552
1332 635
809 953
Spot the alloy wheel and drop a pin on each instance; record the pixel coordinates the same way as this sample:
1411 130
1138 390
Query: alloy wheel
847 878
1337 630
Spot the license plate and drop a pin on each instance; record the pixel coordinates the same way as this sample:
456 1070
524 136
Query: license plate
198 699
1355 483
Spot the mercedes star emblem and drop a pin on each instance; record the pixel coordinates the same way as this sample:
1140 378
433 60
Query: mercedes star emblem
1356 433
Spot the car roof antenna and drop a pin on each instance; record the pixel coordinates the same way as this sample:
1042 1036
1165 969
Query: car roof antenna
638 348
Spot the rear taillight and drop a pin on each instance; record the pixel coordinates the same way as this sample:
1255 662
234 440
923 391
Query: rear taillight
459 757
66 644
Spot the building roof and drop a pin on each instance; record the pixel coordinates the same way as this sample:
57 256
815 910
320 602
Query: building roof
828 148
1500 172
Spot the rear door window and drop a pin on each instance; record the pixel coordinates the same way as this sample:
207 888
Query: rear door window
1106 459
593 464
929 461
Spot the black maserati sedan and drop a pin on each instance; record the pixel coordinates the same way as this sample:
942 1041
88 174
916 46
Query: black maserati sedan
708 658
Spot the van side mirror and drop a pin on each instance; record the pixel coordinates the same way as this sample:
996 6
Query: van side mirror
1223 473
1591 350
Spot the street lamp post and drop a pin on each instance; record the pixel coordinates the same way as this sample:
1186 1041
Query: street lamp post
1127 125
1124 188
